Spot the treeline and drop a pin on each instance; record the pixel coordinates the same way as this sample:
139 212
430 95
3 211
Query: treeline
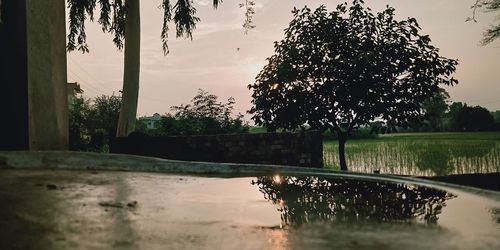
205 115
442 115
93 122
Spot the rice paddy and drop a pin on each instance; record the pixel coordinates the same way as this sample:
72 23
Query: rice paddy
420 154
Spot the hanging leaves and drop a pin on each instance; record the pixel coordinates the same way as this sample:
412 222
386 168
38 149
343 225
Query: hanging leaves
249 12
113 16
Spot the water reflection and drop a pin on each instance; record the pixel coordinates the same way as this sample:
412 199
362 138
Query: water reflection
444 158
309 199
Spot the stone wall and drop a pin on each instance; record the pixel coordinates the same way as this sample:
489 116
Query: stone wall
293 149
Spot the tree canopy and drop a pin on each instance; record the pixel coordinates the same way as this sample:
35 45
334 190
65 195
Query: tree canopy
204 115
435 109
112 18
92 123
340 70
474 118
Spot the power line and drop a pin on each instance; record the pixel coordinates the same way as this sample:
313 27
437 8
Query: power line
91 87
90 76
95 88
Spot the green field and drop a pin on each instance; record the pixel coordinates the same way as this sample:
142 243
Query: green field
420 153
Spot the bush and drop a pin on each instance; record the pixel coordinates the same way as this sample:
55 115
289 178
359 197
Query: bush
205 115
92 123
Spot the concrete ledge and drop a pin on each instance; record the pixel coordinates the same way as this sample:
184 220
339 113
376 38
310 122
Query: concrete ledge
116 162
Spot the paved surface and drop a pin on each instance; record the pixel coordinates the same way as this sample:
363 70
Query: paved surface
64 200
45 209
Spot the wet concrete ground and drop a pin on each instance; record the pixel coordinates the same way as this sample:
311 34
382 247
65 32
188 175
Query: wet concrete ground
89 209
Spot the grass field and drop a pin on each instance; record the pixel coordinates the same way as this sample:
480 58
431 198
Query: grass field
420 153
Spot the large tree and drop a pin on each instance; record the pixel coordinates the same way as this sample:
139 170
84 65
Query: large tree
204 115
122 18
474 118
340 70
92 123
435 109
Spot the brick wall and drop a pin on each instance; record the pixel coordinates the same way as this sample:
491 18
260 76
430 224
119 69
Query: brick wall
293 149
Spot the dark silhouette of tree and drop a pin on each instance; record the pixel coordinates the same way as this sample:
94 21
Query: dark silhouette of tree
204 115
435 109
78 121
474 118
343 69
92 123
113 17
493 32
308 199
451 116
496 115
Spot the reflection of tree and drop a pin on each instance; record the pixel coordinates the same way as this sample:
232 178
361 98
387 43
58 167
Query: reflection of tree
309 199
477 148
439 156
436 159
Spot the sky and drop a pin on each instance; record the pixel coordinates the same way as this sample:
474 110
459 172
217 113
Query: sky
222 60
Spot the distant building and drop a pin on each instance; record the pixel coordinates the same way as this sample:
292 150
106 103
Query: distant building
151 122
72 89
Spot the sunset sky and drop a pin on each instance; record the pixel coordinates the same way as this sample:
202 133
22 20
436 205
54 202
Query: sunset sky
213 62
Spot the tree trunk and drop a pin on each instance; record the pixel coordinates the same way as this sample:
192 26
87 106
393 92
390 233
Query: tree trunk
342 140
130 91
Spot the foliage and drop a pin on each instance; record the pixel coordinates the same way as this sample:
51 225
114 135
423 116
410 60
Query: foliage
451 116
205 105
249 12
78 129
458 116
113 18
92 124
496 115
343 69
204 115
474 119
493 32
435 109
104 115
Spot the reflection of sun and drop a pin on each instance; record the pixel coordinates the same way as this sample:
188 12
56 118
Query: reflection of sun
277 179
278 239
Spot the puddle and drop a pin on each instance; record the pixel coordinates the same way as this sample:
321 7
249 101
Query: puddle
270 211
